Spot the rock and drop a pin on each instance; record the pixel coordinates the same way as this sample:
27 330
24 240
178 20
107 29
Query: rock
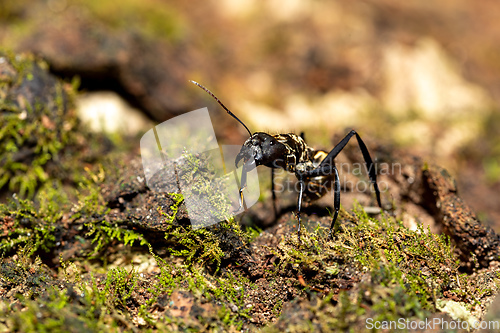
151 73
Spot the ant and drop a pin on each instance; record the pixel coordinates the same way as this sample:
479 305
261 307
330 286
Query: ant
290 152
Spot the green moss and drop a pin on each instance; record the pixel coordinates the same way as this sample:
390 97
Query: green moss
351 312
400 274
202 245
37 122
405 262
54 312
69 304
199 245
105 233
27 224
24 275
373 269
38 221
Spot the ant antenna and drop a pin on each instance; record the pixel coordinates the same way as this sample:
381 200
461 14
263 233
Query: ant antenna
223 106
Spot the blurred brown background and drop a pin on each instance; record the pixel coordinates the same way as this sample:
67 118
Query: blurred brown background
420 75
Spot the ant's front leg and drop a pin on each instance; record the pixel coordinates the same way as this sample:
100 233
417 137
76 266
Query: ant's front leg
273 190
370 166
327 170
242 185
336 201
299 204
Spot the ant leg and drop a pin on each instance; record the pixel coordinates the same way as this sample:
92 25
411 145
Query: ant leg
371 168
299 205
336 202
327 170
325 165
243 185
273 189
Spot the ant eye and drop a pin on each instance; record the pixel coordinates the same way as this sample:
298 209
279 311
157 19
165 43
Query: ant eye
271 143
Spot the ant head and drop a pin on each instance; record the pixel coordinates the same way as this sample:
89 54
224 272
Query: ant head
261 149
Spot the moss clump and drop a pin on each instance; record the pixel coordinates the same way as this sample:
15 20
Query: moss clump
37 121
121 299
219 302
350 311
154 218
88 225
45 221
77 304
402 272
421 262
204 245
25 222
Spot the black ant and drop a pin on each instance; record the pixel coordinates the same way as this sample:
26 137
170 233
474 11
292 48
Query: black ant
313 168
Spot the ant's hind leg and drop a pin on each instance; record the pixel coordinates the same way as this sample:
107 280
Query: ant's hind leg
372 174
299 206
326 170
336 203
